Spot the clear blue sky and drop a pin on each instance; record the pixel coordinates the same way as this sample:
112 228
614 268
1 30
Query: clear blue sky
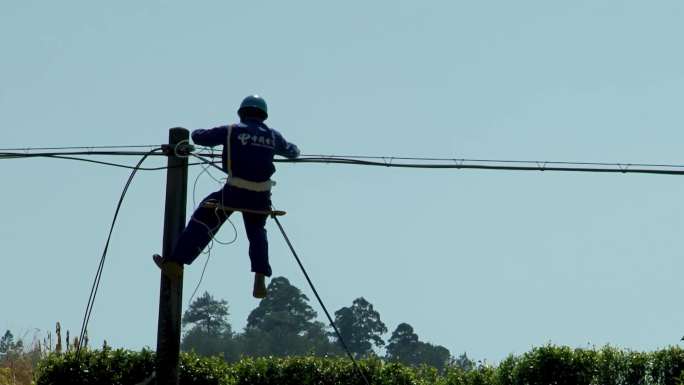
485 262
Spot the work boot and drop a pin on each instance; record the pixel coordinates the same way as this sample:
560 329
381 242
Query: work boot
259 286
172 269
158 260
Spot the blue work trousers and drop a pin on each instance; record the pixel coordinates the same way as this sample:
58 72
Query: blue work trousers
205 222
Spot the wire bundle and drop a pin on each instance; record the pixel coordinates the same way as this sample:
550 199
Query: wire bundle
83 153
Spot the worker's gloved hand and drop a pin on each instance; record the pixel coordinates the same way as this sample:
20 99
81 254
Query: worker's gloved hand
184 149
190 147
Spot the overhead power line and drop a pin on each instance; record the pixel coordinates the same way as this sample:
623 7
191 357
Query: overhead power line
621 168
78 158
376 161
390 159
78 147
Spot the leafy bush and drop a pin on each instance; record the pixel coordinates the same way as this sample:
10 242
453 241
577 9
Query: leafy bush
107 366
666 366
196 370
554 365
121 367
546 365
320 371
5 376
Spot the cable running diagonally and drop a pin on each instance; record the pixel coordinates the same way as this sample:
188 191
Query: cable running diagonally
313 288
320 301
100 267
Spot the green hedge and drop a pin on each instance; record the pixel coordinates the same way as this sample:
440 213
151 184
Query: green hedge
121 367
547 365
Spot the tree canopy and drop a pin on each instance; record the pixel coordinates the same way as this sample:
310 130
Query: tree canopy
8 345
209 314
208 331
360 326
285 324
405 346
285 308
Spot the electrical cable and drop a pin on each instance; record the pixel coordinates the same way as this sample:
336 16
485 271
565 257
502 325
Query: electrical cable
487 160
399 162
98 274
207 161
212 234
379 161
76 158
89 151
79 147
104 163
211 243
621 168
362 160
320 301
464 163
205 169
211 231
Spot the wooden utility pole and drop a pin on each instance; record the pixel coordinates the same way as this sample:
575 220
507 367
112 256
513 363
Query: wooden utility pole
171 287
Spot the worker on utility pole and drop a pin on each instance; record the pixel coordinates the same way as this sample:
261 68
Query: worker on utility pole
247 158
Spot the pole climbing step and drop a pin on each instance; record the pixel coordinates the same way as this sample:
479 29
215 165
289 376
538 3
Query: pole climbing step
215 205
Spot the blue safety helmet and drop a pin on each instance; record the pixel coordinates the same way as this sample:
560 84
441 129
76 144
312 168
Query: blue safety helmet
256 102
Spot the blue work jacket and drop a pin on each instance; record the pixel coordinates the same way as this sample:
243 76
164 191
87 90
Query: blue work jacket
248 148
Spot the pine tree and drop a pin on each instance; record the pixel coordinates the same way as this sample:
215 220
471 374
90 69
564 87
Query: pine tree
207 329
208 314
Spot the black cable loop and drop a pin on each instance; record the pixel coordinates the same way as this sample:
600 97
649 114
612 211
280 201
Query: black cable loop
212 231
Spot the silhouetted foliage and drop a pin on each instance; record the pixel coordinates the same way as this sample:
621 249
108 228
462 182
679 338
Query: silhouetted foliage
405 347
284 324
17 360
463 362
209 333
208 314
360 326
8 345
